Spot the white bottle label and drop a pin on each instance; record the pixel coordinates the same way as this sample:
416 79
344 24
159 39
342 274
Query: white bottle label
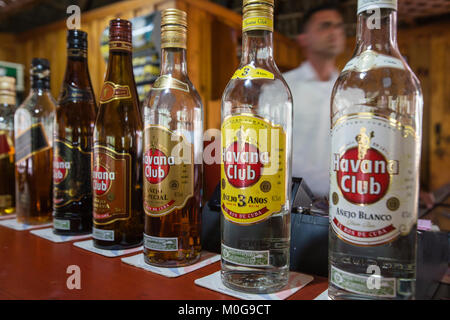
373 179
370 59
105 235
364 5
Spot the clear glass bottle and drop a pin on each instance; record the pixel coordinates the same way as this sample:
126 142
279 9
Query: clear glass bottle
7 109
33 129
117 154
376 123
256 162
173 145
73 138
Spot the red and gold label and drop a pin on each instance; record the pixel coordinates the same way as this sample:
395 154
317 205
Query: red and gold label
168 171
111 182
6 145
112 91
253 169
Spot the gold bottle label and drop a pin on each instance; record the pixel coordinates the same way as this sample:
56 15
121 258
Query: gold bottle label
111 182
253 169
257 23
112 91
168 171
167 82
250 72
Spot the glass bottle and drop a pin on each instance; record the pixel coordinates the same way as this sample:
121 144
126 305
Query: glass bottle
256 162
7 109
33 129
74 126
173 119
117 159
376 121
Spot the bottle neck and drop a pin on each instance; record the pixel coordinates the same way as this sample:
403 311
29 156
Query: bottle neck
120 67
257 47
377 34
77 71
173 62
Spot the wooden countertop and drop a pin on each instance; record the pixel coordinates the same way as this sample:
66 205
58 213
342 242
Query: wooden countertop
35 268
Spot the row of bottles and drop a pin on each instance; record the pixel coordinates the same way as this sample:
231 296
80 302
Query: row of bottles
132 178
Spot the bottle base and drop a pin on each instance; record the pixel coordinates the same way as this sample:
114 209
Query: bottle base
260 282
171 263
117 246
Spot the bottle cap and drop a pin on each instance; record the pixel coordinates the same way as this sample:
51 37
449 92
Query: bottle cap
76 43
40 73
173 29
7 90
120 36
364 5
257 15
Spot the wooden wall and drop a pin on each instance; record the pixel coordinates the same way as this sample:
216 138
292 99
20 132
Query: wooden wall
213 43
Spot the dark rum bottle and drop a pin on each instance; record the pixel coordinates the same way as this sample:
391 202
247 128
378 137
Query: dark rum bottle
117 173
73 142
173 145
33 129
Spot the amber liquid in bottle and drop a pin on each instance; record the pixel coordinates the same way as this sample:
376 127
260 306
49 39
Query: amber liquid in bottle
7 109
33 127
173 117
117 173
74 126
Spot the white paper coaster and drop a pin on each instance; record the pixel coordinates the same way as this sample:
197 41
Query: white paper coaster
13 224
89 246
205 259
323 296
49 235
7 216
296 282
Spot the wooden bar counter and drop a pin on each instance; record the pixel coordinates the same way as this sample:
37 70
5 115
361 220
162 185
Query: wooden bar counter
35 268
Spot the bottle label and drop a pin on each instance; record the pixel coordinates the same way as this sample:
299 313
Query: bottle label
71 174
257 23
112 91
168 171
364 5
105 235
253 169
363 285
111 182
250 72
77 53
167 82
6 145
5 201
373 180
72 94
248 258
160 244
30 142
370 59
59 224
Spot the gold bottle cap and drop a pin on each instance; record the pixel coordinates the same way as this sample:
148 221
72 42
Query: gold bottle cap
173 29
7 90
257 15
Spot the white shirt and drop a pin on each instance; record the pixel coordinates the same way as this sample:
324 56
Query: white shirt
311 128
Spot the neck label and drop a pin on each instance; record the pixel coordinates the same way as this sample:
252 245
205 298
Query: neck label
257 23
250 72
370 59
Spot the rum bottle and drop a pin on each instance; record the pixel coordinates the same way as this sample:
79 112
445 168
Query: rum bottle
117 172
73 142
256 162
172 161
33 129
376 124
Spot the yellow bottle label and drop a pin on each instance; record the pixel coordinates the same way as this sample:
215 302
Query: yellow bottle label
257 23
250 72
253 169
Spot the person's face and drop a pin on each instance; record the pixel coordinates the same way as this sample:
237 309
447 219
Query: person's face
324 34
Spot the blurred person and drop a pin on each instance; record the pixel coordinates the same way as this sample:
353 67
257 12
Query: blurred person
322 39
